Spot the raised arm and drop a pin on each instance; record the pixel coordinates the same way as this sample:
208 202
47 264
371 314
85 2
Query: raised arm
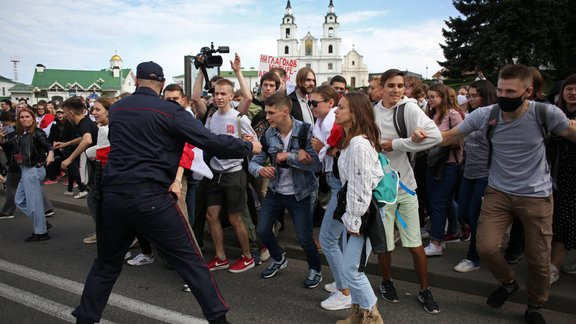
197 97
244 88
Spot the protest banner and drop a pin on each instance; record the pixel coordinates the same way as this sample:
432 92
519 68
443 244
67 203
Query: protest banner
290 65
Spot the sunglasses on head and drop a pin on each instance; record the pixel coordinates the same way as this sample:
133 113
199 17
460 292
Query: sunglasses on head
314 103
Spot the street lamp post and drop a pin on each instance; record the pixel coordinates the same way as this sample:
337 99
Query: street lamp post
100 82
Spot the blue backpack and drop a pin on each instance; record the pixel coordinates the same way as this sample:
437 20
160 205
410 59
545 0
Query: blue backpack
386 192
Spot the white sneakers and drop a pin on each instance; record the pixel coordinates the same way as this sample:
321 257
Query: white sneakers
331 287
337 301
90 239
554 274
466 266
81 194
141 259
433 250
264 254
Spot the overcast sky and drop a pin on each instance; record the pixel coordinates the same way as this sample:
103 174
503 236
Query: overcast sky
85 34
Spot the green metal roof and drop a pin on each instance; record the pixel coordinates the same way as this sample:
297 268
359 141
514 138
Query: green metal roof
84 79
245 73
21 87
4 79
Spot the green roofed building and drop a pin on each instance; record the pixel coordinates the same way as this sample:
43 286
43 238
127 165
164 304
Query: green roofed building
59 84
5 86
251 76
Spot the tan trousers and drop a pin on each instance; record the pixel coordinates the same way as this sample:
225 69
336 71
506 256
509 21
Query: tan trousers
498 210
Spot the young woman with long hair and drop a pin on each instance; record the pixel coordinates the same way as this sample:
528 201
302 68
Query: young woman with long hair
441 175
32 151
360 169
481 93
323 103
100 113
564 217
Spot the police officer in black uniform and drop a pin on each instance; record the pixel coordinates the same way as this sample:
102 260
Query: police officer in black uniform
147 135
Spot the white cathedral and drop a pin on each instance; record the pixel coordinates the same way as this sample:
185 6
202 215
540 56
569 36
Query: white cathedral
323 58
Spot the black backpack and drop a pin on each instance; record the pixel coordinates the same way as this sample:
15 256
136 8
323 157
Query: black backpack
401 130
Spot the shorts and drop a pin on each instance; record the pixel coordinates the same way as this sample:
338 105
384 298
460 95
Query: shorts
410 236
227 189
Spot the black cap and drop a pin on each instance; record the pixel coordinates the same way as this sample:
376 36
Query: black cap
150 71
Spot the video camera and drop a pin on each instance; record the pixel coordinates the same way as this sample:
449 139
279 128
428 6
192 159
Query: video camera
209 60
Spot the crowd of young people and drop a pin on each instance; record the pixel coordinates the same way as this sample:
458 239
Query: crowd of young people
470 163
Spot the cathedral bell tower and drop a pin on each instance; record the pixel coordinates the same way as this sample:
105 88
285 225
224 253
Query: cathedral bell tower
288 43
331 39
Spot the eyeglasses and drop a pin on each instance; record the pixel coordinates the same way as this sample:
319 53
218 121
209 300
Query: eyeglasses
314 103
473 96
407 86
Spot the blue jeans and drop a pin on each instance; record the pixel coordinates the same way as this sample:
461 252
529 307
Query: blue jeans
453 215
360 288
301 213
471 193
28 196
11 185
331 233
441 199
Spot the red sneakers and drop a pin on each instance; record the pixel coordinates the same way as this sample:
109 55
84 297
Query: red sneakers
49 182
242 264
451 238
465 233
218 264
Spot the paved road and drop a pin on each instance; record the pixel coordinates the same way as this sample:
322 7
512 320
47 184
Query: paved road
41 282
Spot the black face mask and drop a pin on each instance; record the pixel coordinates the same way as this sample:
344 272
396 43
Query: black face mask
511 104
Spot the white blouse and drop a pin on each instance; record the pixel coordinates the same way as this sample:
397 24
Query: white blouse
359 166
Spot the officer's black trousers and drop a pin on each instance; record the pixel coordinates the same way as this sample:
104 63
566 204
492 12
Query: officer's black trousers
153 213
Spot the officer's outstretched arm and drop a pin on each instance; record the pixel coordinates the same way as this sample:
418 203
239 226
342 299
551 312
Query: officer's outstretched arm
221 146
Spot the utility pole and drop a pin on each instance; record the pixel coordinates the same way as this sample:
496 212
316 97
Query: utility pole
15 60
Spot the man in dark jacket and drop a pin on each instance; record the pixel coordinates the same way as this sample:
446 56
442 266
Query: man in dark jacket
305 85
147 135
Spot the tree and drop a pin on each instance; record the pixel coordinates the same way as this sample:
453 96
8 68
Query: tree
489 34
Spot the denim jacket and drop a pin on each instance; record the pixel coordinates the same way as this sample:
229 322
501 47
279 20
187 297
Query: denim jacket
303 175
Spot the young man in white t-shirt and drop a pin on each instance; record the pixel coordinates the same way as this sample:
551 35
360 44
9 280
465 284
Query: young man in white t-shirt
228 186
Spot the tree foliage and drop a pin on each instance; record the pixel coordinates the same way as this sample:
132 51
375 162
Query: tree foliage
489 34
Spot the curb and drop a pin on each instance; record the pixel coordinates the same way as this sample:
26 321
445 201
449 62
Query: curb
561 301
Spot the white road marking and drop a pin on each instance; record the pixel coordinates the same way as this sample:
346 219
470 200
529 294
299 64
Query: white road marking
133 305
40 303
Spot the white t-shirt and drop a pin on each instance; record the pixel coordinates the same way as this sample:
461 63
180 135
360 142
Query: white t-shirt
307 116
228 123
